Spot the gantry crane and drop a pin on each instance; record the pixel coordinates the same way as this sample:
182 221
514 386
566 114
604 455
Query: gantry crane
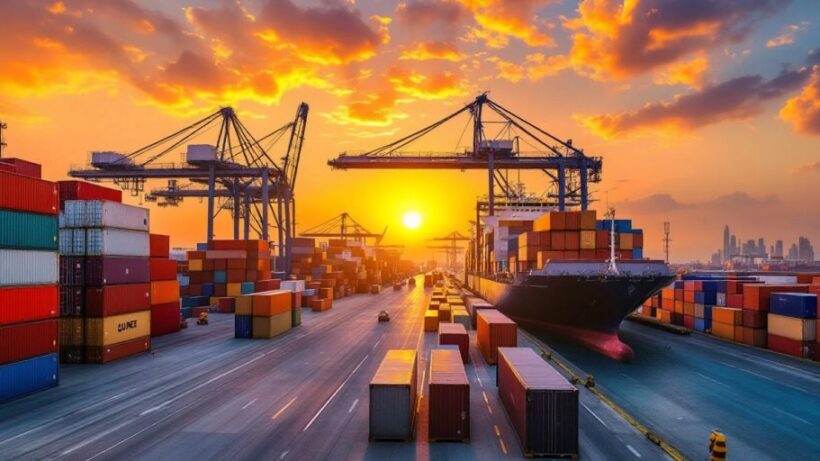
236 167
452 250
343 227
569 169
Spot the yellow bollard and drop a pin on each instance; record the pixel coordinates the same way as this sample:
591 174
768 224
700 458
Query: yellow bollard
717 446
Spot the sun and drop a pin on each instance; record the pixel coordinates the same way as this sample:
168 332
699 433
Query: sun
411 220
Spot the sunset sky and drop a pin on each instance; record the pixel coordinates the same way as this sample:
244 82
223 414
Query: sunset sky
706 112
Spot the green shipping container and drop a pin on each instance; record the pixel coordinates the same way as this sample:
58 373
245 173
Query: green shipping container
27 231
296 316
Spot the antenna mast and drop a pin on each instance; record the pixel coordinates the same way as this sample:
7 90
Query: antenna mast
613 268
666 240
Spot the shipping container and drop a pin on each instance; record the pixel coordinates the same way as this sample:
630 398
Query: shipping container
448 397
165 318
494 330
106 354
271 303
393 394
26 267
164 291
541 403
79 190
226 305
105 331
243 326
25 340
792 327
163 269
117 299
460 315
32 195
26 376
103 213
275 325
115 270
116 242
793 347
28 231
160 245
756 296
444 313
296 315
431 320
802 305
29 303
455 334
23 167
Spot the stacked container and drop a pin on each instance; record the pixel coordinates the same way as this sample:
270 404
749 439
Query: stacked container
393 392
165 310
449 397
105 270
28 282
793 323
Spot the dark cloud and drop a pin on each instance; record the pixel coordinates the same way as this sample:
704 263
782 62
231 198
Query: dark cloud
665 203
423 13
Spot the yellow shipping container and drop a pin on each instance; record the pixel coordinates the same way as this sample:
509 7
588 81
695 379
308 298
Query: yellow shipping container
71 331
269 327
587 237
244 305
431 320
793 328
234 289
625 241
195 264
165 291
105 331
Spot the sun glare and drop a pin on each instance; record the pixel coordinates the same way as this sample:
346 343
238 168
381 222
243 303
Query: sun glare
411 220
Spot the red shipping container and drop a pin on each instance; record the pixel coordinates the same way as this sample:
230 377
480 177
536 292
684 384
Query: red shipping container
23 304
220 289
250 275
207 277
163 269
25 340
236 275
494 330
24 167
793 347
165 318
23 193
449 397
454 333
227 245
220 264
754 337
208 265
754 319
756 296
79 190
689 322
194 289
117 299
71 300
689 296
185 291
160 245
734 300
106 354
226 305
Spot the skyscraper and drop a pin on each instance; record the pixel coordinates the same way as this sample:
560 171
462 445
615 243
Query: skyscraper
778 249
726 242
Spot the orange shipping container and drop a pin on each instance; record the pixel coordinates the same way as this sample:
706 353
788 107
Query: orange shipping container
588 219
271 303
444 313
431 320
326 293
689 309
756 295
573 220
244 305
165 291
726 331
494 330
727 315
678 306
550 221
664 315
557 240
625 241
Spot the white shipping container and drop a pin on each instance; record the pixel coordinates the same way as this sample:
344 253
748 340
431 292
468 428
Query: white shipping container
104 213
116 242
793 328
24 267
293 285
72 242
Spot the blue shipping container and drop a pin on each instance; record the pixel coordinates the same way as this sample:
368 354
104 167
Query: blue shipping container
207 289
801 305
637 253
703 324
195 301
30 375
243 326
706 297
201 247
220 277
714 285
184 280
247 288
185 312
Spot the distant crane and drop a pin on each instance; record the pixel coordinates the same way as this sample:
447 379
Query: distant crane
569 169
452 250
3 126
342 227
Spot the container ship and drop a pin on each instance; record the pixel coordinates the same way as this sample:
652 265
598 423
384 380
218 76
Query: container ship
567 273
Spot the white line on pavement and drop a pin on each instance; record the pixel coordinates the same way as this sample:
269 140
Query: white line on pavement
353 406
595 416
282 410
634 451
310 423
249 403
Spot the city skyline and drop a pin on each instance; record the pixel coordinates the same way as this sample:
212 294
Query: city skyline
755 249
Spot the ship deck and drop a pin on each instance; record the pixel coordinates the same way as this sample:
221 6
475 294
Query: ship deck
201 394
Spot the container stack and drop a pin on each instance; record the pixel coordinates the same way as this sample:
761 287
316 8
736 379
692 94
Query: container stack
165 311
263 315
738 307
29 305
105 270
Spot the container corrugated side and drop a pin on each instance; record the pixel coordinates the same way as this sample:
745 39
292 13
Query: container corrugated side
72 242
25 267
494 330
165 291
792 327
28 231
23 304
275 325
25 340
116 242
117 299
449 397
105 331
27 194
106 354
104 213
26 376
542 404
393 392
112 270
165 318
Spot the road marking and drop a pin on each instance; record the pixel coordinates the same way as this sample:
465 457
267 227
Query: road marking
594 415
282 410
249 403
479 381
713 380
793 416
141 431
284 453
766 378
503 446
338 389
355 402
634 451
94 439
201 385
377 343
486 400
113 397
497 431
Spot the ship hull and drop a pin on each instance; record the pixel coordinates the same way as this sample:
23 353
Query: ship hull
585 309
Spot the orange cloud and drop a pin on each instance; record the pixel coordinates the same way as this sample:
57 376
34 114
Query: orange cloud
736 99
372 110
803 110
430 85
536 66
787 34
499 19
429 51
424 13
689 73
614 39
